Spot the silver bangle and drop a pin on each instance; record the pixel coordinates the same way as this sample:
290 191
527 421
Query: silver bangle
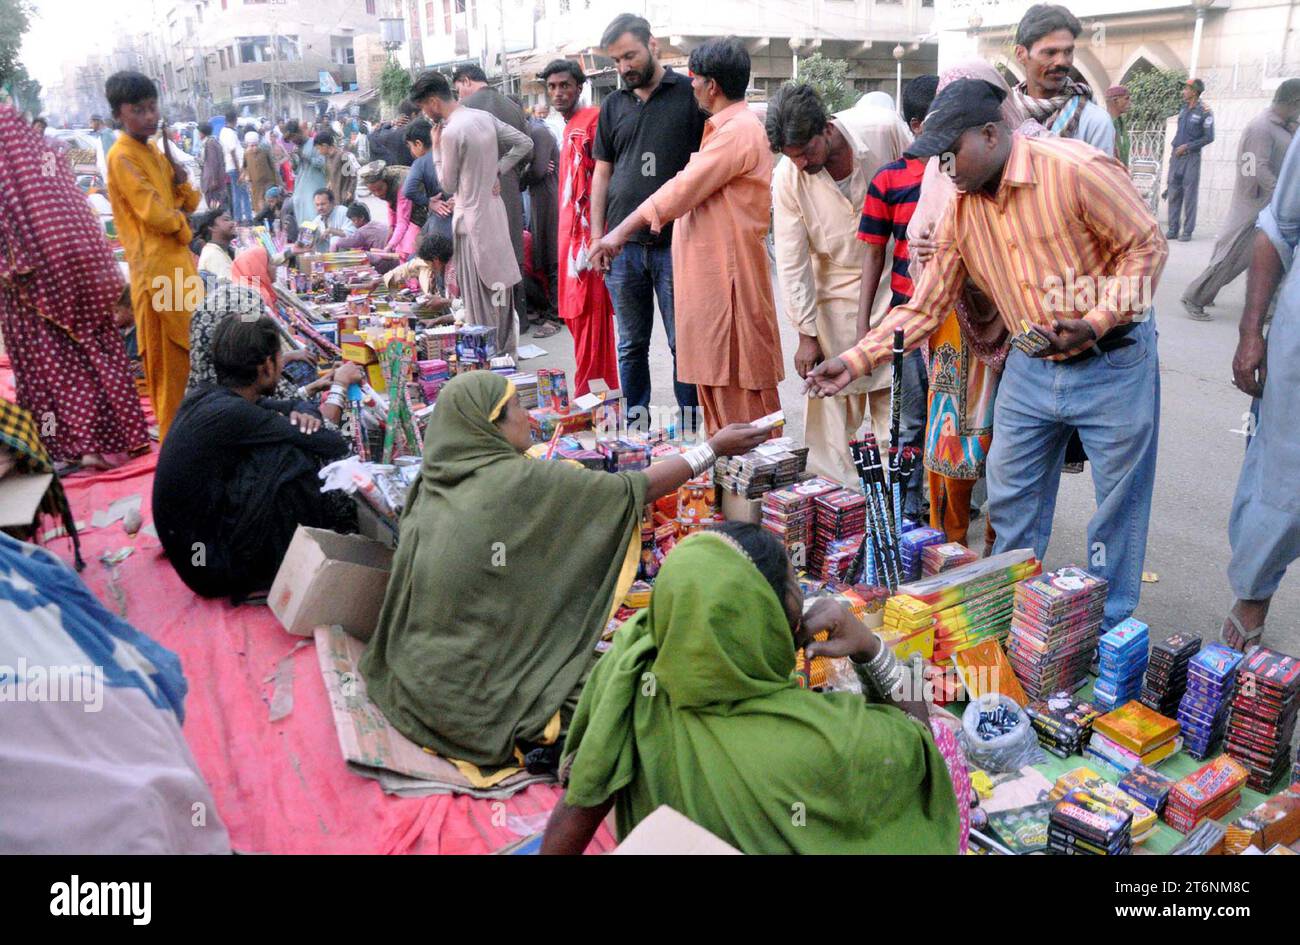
700 458
340 390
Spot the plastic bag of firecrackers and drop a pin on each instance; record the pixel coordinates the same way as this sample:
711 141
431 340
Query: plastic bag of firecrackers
381 486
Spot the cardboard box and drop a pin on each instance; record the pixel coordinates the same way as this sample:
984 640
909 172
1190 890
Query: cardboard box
328 578
667 833
20 497
736 508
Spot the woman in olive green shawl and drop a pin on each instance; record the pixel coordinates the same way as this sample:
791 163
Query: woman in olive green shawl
695 706
506 572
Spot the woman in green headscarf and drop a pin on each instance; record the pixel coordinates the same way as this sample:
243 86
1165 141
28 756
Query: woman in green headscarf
696 706
506 572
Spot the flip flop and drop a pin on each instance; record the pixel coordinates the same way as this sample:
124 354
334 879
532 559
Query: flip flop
546 330
1249 639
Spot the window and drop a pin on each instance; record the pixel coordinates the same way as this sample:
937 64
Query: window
564 6
341 50
254 48
221 54
370 7
446 17
287 49
473 14
430 23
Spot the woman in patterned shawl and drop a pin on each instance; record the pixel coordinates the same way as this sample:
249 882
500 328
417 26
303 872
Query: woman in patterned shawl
58 288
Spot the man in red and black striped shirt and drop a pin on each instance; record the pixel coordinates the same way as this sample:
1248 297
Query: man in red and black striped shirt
886 211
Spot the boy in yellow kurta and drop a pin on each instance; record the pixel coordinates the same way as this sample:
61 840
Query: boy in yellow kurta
151 196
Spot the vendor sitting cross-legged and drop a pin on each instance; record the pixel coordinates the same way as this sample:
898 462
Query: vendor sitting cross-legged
238 472
506 572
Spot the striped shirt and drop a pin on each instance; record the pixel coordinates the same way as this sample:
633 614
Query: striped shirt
886 211
1065 236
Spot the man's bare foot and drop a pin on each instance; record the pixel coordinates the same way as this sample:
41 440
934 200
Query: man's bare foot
1245 624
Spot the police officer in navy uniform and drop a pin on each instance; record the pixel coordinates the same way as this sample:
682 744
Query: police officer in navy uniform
1195 131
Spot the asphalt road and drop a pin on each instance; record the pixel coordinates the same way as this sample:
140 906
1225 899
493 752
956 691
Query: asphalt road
1200 456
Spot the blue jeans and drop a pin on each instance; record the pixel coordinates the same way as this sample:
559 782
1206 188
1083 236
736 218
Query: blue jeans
637 275
1113 400
241 204
911 424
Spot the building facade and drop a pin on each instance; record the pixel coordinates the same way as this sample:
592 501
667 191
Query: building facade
263 56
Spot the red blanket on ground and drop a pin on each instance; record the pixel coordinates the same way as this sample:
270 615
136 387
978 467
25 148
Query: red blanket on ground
280 787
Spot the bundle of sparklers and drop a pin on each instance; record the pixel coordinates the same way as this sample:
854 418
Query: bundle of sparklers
884 483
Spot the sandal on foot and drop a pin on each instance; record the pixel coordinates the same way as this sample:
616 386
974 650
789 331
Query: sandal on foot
546 330
1249 639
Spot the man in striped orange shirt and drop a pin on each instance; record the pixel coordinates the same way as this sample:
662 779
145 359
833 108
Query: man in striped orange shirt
1055 234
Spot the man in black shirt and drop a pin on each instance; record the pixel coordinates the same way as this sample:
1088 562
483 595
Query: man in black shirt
646 133
276 208
389 144
238 471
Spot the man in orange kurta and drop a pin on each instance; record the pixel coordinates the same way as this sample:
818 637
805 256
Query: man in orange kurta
150 197
728 343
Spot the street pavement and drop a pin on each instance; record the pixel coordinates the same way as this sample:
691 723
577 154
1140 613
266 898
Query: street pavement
1199 459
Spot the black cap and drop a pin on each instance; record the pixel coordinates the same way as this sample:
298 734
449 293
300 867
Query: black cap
966 103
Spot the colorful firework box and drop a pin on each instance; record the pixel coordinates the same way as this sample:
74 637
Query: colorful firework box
1263 715
972 622
937 558
984 668
1084 823
1063 724
1148 786
1211 791
1023 830
1124 759
1144 818
916 602
775 464
1211 679
911 546
1139 731
1166 678
1123 661
836 515
788 512
1271 822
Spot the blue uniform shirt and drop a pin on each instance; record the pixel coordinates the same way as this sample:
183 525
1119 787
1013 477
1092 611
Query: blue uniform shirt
1195 128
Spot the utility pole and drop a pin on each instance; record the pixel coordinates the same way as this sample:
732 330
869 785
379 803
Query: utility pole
505 79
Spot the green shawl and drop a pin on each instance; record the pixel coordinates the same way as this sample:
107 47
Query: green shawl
695 706
504 578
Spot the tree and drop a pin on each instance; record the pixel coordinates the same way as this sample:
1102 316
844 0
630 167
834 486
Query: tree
830 77
25 90
394 83
1156 95
16 17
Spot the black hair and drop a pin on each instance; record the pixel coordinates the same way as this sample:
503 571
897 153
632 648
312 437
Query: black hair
430 84
327 192
563 65
43 121
918 96
232 117
764 549
128 88
421 130
408 108
1288 93
201 224
124 299
795 116
292 127
1197 85
435 246
205 129
1044 18
359 211
638 26
326 138
240 347
468 71
725 60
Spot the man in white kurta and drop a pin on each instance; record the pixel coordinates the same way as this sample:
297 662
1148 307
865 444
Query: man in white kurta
819 257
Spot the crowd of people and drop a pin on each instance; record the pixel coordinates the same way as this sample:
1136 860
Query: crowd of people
953 219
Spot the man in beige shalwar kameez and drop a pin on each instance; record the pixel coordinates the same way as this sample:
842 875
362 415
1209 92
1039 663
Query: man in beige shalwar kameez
470 140
817 194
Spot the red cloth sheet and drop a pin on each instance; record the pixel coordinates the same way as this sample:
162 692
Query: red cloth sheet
280 787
